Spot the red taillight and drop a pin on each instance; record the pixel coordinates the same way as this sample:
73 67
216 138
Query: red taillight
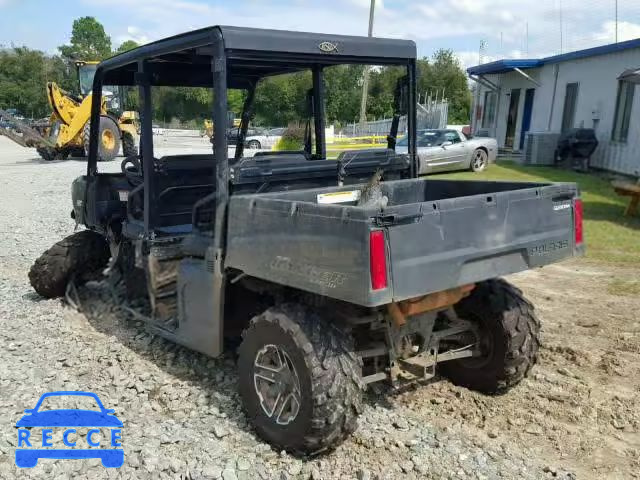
577 220
377 260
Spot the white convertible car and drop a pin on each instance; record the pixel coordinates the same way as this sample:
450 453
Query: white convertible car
265 139
445 150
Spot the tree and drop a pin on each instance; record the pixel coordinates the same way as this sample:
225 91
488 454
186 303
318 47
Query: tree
88 41
126 46
444 72
24 74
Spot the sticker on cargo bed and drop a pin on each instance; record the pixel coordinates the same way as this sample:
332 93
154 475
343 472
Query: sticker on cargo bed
311 273
52 429
561 206
339 197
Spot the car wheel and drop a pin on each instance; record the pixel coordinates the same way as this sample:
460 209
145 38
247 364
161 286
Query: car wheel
479 160
254 144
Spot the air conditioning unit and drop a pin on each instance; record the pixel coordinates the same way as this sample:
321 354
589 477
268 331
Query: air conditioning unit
539 148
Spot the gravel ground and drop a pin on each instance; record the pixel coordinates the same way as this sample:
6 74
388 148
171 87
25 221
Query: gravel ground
578 416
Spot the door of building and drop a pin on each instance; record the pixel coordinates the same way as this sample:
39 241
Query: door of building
570 101
512 116
526 114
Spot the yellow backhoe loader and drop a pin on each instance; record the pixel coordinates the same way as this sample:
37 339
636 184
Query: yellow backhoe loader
68 130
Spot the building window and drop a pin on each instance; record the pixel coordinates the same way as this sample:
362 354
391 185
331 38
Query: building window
623 111
489 112
570 101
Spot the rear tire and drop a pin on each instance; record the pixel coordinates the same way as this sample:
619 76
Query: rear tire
326 373
509 336
107 151
82 255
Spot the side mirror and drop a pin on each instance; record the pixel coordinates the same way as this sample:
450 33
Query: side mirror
446 144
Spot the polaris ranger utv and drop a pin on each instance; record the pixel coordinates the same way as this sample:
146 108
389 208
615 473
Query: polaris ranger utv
337 273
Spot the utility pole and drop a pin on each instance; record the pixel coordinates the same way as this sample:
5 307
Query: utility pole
365 75
616 2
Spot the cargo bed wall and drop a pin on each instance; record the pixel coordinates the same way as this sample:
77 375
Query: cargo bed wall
456 241
322 249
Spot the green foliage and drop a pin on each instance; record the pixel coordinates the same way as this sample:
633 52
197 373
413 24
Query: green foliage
279 100
445 72
88 41
282 99
126 46
24 74
292 139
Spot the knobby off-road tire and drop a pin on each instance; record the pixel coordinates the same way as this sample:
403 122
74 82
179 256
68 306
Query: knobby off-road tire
329 376
82 255
509 336
108 125
129 148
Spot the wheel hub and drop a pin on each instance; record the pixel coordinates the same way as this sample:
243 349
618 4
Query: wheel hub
276 384
478 160
108 139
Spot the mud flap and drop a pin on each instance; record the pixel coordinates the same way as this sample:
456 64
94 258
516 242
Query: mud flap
199 296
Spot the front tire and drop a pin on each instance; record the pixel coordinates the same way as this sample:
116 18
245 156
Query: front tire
129 148
292 354
479 160
108 139
82 254
508 335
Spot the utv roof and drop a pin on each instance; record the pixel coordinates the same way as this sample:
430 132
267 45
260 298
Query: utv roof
185 59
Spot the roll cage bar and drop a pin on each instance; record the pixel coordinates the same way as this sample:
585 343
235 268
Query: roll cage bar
234 57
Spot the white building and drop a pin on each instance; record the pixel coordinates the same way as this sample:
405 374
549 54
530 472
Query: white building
577 89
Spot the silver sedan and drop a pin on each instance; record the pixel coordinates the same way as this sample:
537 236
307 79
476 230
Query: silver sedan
446 150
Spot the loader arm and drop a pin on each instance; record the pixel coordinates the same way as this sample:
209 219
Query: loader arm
72 115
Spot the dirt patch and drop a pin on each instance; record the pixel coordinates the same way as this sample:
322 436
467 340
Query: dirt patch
580 409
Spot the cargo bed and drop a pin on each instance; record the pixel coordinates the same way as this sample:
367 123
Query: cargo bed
437 234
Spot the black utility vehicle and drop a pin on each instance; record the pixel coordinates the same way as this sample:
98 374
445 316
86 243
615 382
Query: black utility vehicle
337 274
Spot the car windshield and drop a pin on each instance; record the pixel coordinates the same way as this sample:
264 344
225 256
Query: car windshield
66 402
426 138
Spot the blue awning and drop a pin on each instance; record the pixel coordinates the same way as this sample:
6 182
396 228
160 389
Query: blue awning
504 66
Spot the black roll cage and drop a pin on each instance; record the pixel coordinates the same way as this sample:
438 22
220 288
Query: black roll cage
234 57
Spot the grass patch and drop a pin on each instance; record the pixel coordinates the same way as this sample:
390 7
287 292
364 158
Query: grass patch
624 288
610 237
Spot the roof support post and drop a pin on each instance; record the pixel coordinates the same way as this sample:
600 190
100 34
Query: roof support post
318 111
146 148
247 115
220 147
412 126
94 128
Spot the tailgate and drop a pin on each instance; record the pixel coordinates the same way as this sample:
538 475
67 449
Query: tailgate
441 244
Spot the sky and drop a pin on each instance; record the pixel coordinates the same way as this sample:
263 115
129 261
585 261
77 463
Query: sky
507 28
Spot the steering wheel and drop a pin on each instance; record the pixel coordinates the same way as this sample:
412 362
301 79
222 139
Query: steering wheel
133 172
